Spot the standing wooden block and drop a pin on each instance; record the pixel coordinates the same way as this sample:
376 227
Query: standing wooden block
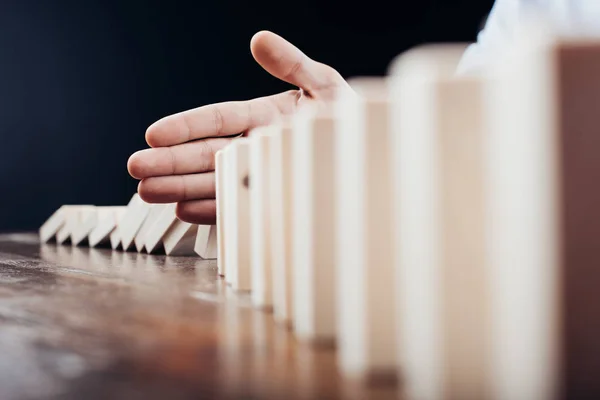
442 285
206 242
130 223
155 210
260 218
364 267
74 218
314 225
281 186
238 218
180 238
220 174
107 223
162 223
543 171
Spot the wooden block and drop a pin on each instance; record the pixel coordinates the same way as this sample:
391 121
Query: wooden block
82 232
220 174
108 218
135 214
543 171
74 217
238 218
159 228
314 225
148 226
52 225
441 284
260 218
364 267
180 238
281 186
206 242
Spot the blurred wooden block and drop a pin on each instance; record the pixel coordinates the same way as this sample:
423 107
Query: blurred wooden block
220 174
180 238
543 173
54 223
206 242
314 225
135 214
260 216
281 186
81 233
442 286
74 218
238 218
163 221
365 274
108 218
148 226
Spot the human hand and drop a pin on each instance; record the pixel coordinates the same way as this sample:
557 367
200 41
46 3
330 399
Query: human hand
179 166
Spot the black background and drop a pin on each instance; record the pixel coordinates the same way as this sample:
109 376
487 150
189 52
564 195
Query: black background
80 81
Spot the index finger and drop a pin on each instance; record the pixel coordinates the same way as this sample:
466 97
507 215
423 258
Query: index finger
215 120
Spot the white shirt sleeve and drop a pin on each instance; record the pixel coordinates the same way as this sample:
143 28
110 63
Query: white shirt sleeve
499 32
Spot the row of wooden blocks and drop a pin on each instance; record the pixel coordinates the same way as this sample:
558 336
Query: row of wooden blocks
150 228
439 228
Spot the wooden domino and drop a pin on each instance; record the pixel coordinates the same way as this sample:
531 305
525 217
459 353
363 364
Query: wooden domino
238 219
107 223
74 217
441 284
206 242
180 238
260 218
154 212
220 174
280 182
542 169
366 333
314 225
163 221
135 214
54 223
81 234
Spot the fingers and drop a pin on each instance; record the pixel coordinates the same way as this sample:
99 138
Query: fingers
188 158
285 61
173 189
201 212
214 120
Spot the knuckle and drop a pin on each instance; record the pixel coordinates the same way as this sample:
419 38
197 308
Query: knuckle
218 120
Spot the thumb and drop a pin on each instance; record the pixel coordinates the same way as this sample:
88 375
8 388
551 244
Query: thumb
285 61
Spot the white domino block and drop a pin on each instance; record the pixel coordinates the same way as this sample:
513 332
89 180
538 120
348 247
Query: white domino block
238 218
220 174
131 221
280 183
543 171
91 221
108 218
260 218
52 225
180 238
314 225
74 218
366 335
147 226
442 286
206 242
162 223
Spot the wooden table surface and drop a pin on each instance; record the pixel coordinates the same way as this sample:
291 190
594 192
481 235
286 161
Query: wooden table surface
80 323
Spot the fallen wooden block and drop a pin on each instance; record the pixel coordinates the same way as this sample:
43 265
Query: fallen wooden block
365 303
74 217
165 219
81 233
442 286
260 216
108 218
314 211
135 214
180 238
281 185
148 226
542 174
206 242
54 223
